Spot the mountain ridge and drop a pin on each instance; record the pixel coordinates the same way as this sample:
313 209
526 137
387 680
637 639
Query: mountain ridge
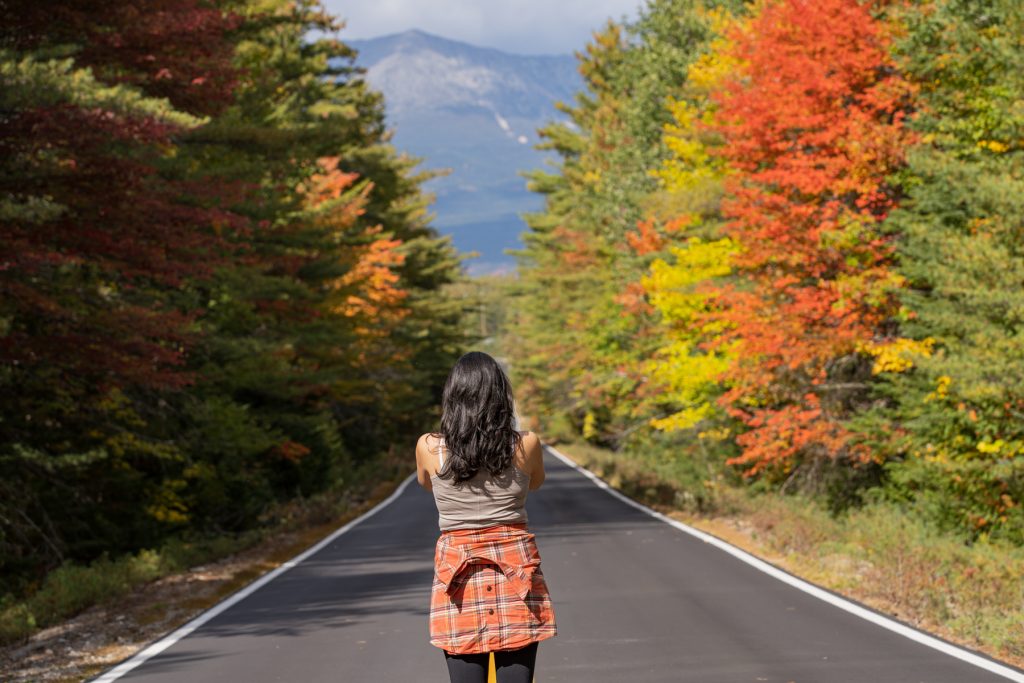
474 110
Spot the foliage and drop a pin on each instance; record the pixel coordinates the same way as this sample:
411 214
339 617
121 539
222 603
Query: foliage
581 324
813 125
220 287
954 425
786 234
680 286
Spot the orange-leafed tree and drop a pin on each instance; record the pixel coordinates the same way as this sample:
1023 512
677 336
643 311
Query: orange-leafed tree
812 123
368 292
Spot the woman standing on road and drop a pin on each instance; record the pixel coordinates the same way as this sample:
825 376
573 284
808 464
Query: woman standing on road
489 594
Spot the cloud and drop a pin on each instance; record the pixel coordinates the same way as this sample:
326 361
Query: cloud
518 26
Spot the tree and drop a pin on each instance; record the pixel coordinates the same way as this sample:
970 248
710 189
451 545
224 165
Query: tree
99 229
585 324
952 425
221 287
813 125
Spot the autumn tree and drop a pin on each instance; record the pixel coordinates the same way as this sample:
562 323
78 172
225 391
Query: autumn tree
99 229
813 125
586 325
222 287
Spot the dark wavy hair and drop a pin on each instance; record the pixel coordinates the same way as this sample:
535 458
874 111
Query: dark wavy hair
477 418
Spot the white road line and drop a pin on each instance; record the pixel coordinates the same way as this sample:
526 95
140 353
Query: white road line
170 639
800 584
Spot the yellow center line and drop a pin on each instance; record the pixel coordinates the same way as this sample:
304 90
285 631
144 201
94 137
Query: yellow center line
492 677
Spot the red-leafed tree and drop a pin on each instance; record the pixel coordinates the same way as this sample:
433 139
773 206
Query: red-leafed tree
175 49
98 219
812 124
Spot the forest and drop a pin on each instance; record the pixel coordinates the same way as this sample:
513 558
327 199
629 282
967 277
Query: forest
777 286
784 245
219 285
781 253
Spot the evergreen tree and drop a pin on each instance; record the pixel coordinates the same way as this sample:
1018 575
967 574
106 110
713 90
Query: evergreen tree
953 425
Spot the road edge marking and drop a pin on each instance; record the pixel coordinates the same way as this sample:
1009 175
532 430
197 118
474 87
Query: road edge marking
800 584
173 637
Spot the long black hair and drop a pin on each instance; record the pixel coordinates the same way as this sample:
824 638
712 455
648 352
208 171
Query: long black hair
477 418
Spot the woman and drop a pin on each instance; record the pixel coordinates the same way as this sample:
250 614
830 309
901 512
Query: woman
488 594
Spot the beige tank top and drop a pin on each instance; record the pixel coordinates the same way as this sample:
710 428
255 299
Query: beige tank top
482 501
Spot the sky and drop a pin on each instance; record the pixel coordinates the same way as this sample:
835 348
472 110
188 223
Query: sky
517 26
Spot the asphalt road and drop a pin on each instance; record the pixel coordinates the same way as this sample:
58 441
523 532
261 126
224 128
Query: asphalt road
636 600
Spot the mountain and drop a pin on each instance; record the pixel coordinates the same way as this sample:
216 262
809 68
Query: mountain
475 111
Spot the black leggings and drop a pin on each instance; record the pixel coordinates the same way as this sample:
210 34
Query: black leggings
512 666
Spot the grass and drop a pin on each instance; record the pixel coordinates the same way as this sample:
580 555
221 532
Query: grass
71 588
878 554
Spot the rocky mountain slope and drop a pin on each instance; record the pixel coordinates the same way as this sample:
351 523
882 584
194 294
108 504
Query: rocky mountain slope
475 111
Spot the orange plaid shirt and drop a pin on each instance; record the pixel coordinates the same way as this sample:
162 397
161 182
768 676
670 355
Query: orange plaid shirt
489 592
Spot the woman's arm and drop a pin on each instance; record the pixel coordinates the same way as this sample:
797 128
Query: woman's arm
534 459
423 463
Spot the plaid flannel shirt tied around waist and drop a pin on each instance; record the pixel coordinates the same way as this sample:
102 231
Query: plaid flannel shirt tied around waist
507 553
489 592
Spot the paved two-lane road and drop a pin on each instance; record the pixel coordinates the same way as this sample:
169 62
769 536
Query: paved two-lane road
636 600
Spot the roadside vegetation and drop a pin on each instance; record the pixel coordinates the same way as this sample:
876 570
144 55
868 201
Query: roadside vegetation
778 276
223 307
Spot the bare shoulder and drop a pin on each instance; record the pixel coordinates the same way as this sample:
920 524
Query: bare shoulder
426 458
529 439
531 447
426 445
428 442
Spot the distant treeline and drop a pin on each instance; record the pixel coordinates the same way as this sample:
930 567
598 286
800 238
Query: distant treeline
785 245
219 287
